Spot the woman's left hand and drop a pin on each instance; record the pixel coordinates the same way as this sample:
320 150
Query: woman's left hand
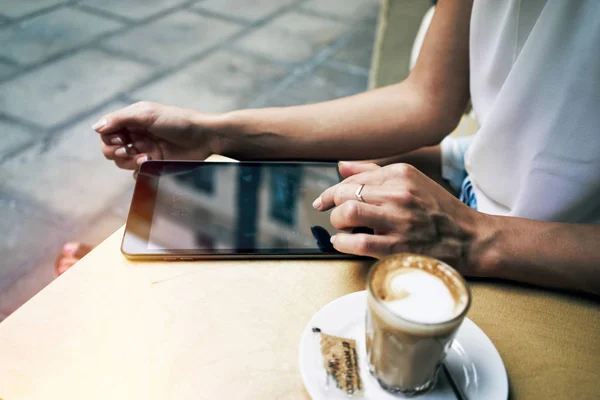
407 211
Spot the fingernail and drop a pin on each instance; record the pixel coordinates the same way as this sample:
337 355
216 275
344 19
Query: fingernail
121 152
116 140
140 160
70 248
317 203
332 239
99 124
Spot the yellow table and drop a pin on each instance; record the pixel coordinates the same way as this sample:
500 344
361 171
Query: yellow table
110 328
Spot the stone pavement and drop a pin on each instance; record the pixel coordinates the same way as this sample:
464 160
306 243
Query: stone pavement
65 63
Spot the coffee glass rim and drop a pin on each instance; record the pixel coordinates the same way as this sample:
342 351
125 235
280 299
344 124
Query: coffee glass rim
461 315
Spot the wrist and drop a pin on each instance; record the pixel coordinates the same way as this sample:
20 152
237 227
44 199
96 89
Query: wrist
240 134
218 131
484 255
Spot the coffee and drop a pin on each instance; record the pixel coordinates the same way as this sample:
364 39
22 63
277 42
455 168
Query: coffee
415 306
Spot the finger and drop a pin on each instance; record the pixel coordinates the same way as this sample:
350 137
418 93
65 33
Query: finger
353 214
113 152
109 150
360 244
128 163
117 139
334 196
75 249
342 192
337 194
65 264
147 146
133 162
142 158
373 177
126 151
138 116
378 175
348 169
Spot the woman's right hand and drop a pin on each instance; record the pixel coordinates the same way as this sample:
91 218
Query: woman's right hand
151 131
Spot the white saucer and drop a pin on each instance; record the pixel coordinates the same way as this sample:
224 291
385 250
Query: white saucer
473 361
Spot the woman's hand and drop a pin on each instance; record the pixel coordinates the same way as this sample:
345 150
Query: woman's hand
407 211
150 131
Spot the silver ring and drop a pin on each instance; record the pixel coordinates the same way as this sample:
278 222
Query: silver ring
358 195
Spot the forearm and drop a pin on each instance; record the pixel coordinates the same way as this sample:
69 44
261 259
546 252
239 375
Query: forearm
400 118
378 123
565 256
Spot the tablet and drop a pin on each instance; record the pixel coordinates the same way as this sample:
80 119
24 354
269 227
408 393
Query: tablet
185 210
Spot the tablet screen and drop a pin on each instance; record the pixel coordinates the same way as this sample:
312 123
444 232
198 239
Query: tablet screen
205 208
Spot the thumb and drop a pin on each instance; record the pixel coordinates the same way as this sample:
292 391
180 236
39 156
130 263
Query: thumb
348 168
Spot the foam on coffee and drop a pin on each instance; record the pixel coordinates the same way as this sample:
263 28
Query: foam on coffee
420 296
419 289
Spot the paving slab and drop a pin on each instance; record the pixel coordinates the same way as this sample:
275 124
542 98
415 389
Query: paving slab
20 8
324 83
70 177
7 70
174 38
14 137
221 82
359 49
347 9
293 37
277 45
133 9
60 90
249 10
38 38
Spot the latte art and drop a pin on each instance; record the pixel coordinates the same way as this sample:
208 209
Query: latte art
419 289
419 296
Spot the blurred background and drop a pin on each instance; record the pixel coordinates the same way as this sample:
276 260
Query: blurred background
65 63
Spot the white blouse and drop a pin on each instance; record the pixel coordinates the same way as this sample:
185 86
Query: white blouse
535 87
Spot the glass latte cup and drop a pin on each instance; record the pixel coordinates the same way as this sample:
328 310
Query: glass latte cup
415 305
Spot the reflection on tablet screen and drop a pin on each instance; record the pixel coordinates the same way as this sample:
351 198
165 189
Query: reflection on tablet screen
245 208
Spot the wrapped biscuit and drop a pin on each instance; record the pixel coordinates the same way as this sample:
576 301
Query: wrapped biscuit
340 360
